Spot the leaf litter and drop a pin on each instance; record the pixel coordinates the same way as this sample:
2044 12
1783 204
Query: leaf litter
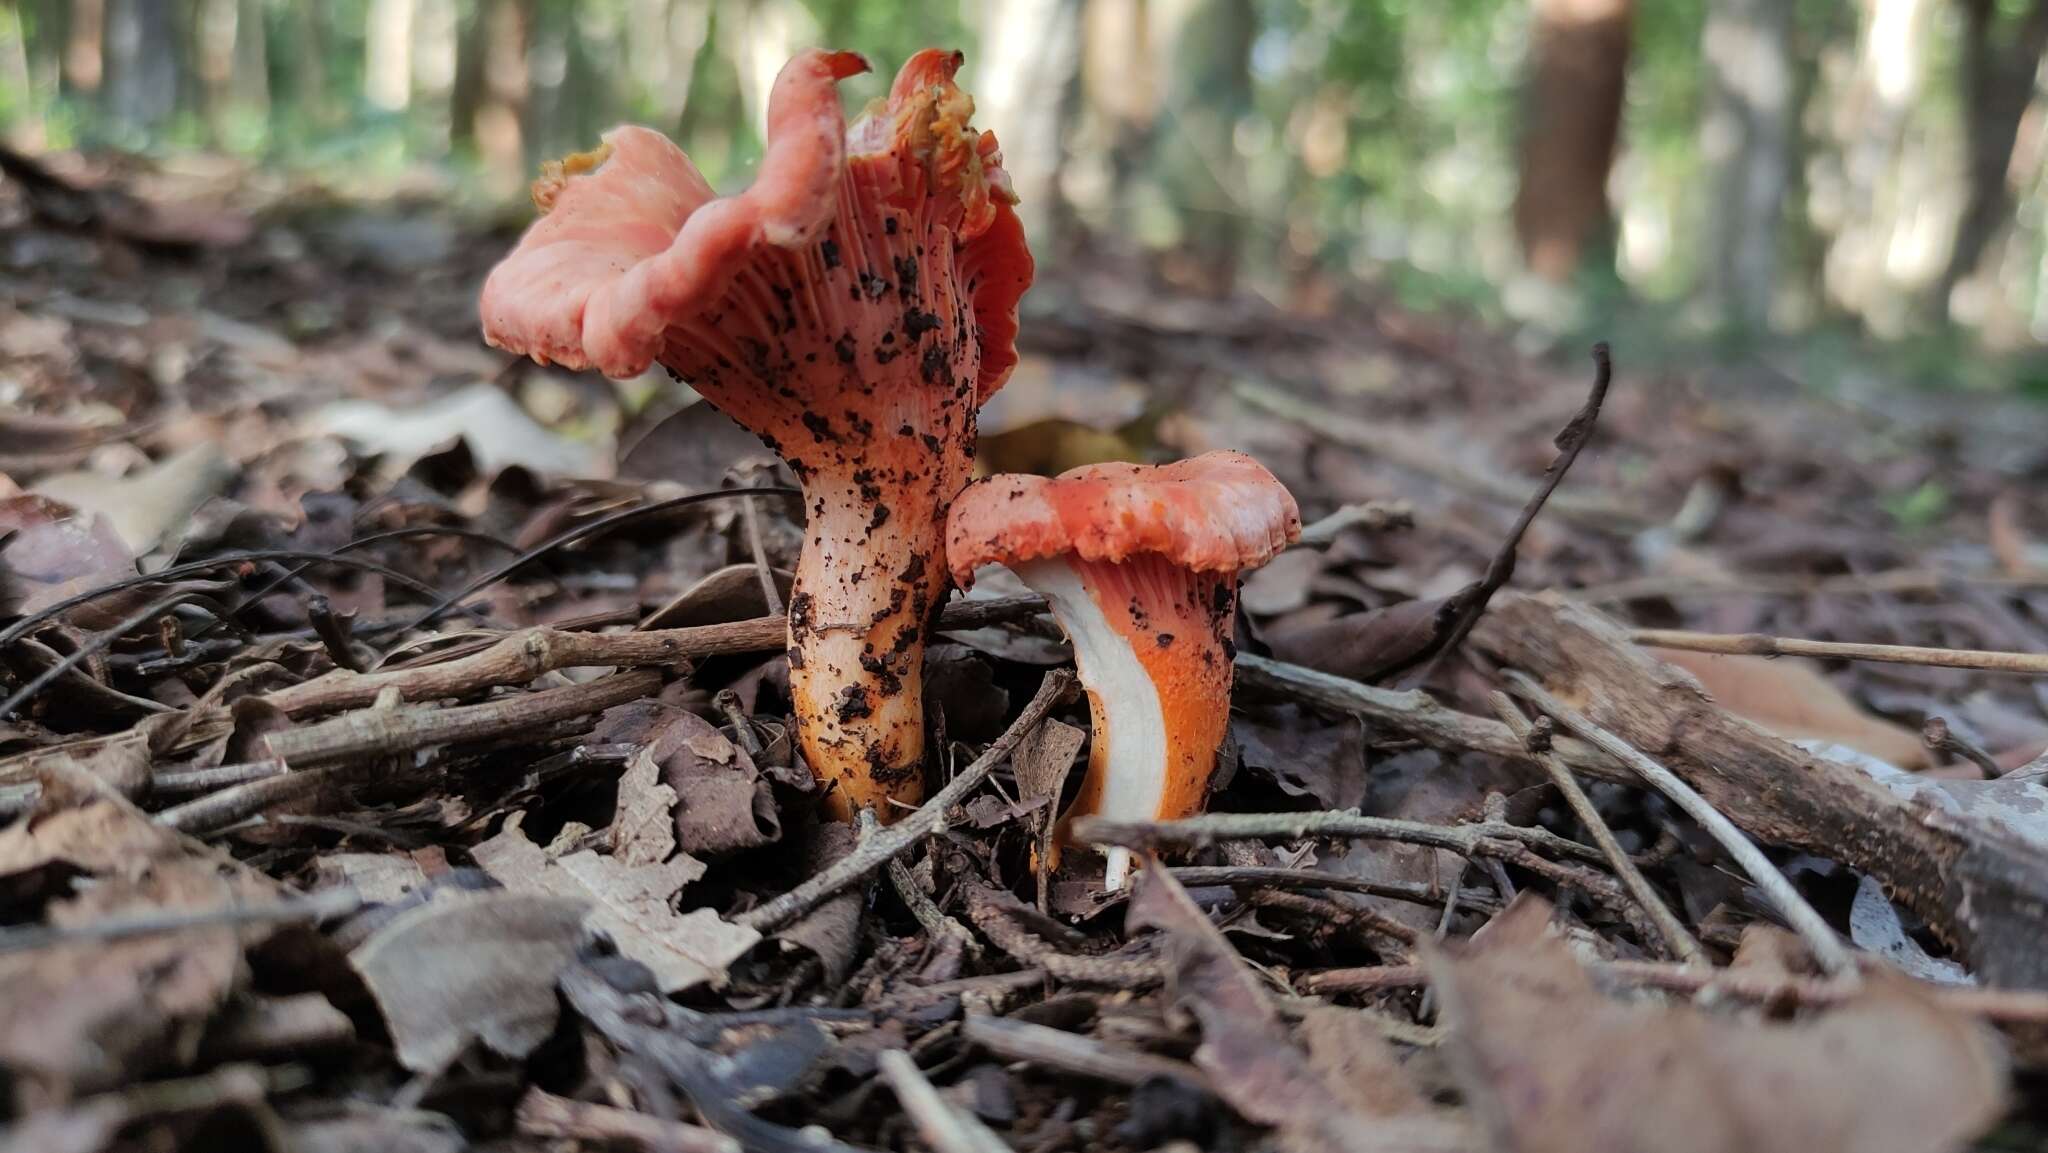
391 763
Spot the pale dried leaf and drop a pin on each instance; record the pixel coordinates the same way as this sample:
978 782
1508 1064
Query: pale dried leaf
630 904
1045 756
1551 1064
379 877
470 967
1790 698
644 829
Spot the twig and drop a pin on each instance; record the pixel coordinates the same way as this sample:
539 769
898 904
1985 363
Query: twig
524 655
188 781
333 629
322 905
1073 1053
542 1114
750 515
378 732
1479 839
727 703
2005 1006
583 532
1896 581
1412 713
1371 515
1464 606
99 641
1536 738
1000 916
1828 950
928 819
944 1128
1265 876
936 924
1402 448
1760 645
217 811
1942 739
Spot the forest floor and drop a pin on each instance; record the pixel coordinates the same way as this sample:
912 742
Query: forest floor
309 842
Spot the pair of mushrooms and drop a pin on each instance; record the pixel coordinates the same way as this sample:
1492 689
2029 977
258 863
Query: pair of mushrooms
854 308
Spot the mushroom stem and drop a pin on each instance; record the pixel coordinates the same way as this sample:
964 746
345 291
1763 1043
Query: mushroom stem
1152 646
871 571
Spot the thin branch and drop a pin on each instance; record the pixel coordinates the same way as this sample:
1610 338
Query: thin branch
1265 876
1479 839
520 657
2005 1006
217 811
929 818
380 732
750 514
1371 515
1828 951
322 905
1760 645
1537 741
583 532
1402 448
1464 607
1942 739
1073 1053
944 1128
99 641
542 1114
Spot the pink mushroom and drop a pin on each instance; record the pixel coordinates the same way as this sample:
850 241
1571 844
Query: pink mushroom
853 308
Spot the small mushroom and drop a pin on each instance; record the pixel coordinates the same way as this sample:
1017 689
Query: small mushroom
853 308
1139 565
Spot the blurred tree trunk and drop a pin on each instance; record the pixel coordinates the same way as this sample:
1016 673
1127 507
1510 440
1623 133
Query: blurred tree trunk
2000 59
309 68
1030 55
1747 138
1120 104
84 31
387 54
141 54
1578 65
1212 91
466 98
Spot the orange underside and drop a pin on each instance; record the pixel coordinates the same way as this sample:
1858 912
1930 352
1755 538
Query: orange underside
1180 624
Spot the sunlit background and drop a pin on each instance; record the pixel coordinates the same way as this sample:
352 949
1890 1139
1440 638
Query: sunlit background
1738 173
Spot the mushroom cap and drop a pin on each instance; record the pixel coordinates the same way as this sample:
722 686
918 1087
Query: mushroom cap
1218 512
632 239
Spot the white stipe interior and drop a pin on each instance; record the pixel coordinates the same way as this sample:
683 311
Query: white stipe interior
1130 704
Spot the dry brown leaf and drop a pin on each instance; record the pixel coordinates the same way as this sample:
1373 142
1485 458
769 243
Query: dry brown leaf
643 828
1044 757
1311 1098
1792 699
1551 1065
380 878
629 903
470 967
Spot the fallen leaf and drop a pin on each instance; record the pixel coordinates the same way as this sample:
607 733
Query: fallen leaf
145 507
1042 760
1792 699
1551 1064
470 967
381 878
1305 756
372 1129
643 828
1250 1054
1874 926
711 798
630 904
50 551
1362 646
496 429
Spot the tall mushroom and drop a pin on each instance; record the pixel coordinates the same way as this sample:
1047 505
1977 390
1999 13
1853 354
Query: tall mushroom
1139 565
853 308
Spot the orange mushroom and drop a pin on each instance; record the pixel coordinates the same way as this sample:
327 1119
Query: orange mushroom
853 307
1139 565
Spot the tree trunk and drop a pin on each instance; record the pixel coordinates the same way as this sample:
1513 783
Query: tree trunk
1212 90
1030 55
141 55
84 32
1998 83
1747 139
1577 69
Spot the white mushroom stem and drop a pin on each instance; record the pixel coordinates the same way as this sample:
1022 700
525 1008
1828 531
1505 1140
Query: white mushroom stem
1149 648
